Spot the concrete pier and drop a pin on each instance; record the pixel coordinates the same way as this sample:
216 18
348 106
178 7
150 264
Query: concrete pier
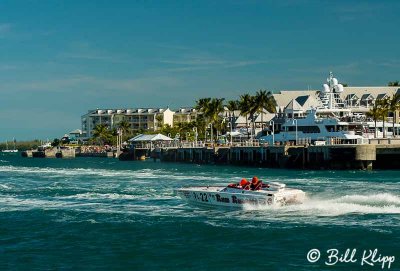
366 156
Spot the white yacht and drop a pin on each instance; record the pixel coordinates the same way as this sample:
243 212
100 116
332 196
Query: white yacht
312 128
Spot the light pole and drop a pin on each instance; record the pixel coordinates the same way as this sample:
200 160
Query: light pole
295 122
230 126
272 123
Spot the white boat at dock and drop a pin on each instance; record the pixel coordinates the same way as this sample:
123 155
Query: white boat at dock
271 194
313 128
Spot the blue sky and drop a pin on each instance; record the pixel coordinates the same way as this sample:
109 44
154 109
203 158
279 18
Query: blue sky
60 58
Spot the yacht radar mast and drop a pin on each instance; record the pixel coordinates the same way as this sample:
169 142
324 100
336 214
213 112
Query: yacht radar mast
330 93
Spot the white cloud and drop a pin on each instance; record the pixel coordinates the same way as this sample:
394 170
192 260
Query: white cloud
205 63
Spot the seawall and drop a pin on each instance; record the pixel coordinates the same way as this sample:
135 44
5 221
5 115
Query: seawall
368 156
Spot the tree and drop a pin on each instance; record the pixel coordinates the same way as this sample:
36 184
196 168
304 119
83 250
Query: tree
202 104
216 107
200 123
265 100
102 134
252 112
56 142
393 106
160 121
384 104
394 84
375 113
125 127
211 109
232 105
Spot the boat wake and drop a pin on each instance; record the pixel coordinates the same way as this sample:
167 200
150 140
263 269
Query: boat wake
383 203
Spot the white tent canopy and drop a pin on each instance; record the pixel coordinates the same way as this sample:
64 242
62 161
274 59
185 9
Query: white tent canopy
147 138
234 134
76 132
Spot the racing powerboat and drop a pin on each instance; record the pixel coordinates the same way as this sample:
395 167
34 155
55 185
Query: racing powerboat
235 196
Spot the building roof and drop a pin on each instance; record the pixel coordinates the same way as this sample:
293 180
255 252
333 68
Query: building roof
241 120
366 97
293 105
309 101
351 96
381 96
374 91
285 96
266 117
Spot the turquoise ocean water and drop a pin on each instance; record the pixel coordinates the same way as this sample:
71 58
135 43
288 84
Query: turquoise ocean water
103 214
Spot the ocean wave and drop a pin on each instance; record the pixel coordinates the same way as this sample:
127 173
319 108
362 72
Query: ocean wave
5 187
145 174
51 172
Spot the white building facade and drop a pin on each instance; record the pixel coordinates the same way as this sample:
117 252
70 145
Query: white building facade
139 119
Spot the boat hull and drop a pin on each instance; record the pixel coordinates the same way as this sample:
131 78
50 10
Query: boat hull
221 196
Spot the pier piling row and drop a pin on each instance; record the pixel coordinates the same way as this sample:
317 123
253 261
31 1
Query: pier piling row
306 157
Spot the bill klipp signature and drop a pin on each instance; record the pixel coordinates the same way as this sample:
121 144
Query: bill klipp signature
366 257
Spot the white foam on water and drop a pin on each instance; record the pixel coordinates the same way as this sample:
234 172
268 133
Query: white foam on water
91 195
4 186
376 199
383 203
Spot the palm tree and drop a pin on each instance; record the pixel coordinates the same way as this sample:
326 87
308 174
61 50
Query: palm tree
211 109
375 113
245 104
265 100
216 107
202 104
384 104
125 127
232 105
159 119
252 112
102 133
394 105
394 84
